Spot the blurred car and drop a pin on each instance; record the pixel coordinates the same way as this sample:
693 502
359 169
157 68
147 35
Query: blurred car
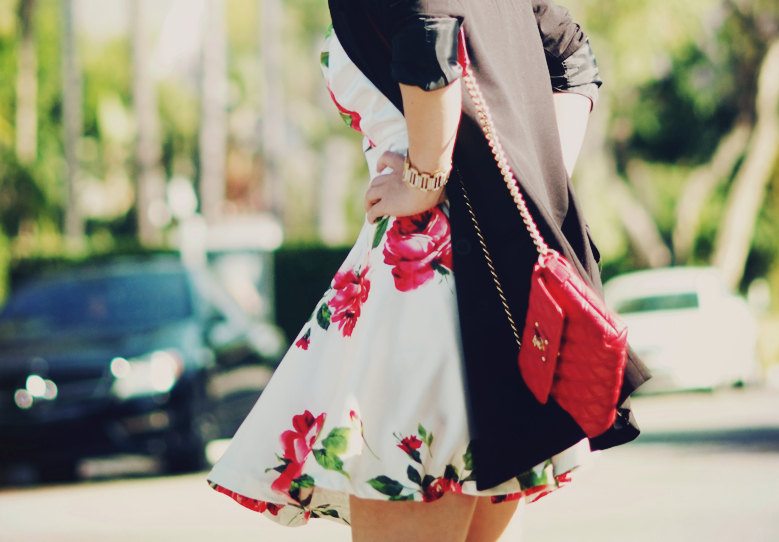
139 356
689 329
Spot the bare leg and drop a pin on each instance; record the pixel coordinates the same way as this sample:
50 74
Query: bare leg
490 520
402 521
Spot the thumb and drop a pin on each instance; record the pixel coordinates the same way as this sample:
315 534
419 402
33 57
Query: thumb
390 159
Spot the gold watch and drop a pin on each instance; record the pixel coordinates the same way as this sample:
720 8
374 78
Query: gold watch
425 181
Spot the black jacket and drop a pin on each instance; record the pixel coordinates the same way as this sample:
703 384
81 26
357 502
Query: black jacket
518 50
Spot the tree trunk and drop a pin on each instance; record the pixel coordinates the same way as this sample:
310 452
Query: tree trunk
213 128
639 225
703 181
598 181
746 197
27 86
150 192
72 123
273 121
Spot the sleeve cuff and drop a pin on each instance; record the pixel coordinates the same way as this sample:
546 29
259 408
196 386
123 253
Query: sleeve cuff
576 73
424 52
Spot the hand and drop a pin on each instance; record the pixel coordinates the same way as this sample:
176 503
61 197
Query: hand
388 195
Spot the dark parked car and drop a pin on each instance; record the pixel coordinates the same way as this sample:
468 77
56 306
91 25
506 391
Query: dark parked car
135 356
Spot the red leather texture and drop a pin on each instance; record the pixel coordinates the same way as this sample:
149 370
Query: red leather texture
541 340
592 350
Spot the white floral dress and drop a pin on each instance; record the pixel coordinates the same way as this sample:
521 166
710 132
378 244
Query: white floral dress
369 400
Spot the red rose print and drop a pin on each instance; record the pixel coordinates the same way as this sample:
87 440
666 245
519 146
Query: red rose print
274 508
436 489
352 118
409 444
455 487
352 289
417 246
297 444
541 494
495 499
304 341
283 483
248 502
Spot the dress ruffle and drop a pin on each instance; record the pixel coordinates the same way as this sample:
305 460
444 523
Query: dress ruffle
294 515
308 489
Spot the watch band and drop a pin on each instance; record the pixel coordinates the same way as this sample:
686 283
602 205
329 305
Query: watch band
424 181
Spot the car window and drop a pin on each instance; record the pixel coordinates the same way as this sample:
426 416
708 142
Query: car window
686 300
132 300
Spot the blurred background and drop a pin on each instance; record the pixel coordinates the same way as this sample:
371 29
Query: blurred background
177 189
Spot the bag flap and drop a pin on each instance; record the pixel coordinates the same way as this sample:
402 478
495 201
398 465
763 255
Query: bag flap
540 339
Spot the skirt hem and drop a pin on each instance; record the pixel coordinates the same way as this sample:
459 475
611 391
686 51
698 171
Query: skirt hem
302 514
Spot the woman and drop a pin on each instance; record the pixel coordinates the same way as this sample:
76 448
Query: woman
403 384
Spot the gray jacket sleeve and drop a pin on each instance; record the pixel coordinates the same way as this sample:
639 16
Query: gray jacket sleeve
423 39
423 36
569 56
424 52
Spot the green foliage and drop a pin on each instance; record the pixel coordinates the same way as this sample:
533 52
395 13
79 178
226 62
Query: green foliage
380 229
682 115
5 263
7 91
323 315
21 198
328 460
677 74
49 165
763 256
337 440
633 39
386 485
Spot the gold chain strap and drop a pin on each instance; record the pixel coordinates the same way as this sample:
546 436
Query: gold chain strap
490 265
485 121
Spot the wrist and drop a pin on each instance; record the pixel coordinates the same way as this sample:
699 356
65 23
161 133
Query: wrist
425 180
429 161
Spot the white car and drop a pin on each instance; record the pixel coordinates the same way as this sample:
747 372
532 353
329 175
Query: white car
690 330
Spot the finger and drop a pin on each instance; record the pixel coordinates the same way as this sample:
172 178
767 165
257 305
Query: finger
376 212
370 202
391 160
372 196
379 180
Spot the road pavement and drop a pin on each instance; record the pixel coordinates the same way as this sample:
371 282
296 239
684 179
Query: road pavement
706 468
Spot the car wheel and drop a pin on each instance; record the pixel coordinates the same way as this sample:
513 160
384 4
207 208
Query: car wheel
58 471
186 460
186 450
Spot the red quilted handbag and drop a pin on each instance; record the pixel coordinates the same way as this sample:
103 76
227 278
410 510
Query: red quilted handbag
572 347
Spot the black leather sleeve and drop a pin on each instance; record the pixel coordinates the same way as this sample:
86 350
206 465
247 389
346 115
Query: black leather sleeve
577 73
422 37
569 56
424 52
560 34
